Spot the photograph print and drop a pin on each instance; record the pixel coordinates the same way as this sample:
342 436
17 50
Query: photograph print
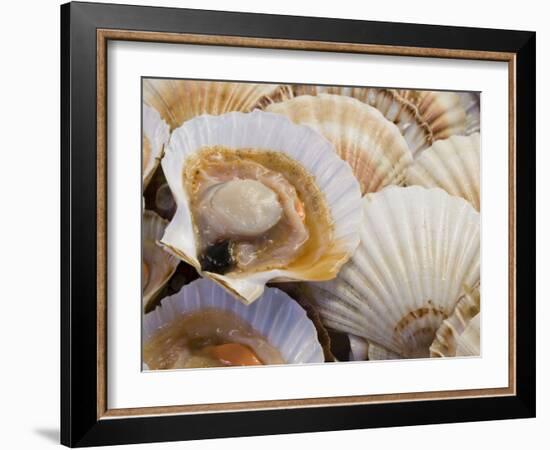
306 224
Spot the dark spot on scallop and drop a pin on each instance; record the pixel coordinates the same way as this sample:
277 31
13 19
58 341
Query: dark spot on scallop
218 258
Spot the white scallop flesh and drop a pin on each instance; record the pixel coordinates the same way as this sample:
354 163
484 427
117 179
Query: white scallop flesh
243 208
244 219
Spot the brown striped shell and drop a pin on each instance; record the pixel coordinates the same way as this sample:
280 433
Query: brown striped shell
390 103
442 111
181 100
451 332
361 135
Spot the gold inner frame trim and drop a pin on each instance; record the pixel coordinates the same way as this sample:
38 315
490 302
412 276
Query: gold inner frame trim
103 36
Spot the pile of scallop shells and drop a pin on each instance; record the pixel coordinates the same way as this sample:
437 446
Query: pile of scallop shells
305 224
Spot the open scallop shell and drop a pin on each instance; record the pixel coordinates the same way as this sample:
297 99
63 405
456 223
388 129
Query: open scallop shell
452 330
362 136
155 136
451 164
294 291
419 251
265 132
274 315
181 100
390 103
442 111
160 264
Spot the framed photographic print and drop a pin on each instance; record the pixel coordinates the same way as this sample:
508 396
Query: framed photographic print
276 224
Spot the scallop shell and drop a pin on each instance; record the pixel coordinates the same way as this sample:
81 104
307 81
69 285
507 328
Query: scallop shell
294 291
419 251
363 350
274 315
161 264
368 142
390 103
450 332
378 353
468 343
269 132
358 348
155 136
442 111
181 100
452 164
164 201
471 104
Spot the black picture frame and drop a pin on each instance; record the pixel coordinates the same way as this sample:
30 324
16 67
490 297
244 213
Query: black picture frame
80 425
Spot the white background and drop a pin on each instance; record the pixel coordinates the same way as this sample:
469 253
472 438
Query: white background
29 386
128 388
